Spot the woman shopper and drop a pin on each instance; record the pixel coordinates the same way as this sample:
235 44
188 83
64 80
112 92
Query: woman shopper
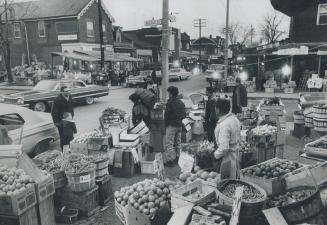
227 135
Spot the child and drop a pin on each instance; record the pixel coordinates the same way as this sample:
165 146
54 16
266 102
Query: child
69 128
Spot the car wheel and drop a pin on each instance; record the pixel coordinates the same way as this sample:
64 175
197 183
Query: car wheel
40 107
89 100
40 148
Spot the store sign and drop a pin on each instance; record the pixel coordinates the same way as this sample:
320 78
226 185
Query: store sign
303 50
67 37
144 52
158 22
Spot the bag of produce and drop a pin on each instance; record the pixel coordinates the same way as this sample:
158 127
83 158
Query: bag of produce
147 97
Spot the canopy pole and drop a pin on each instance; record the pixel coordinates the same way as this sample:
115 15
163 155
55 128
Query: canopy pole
319 65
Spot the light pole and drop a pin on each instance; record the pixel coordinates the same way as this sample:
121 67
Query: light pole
165 48
226 40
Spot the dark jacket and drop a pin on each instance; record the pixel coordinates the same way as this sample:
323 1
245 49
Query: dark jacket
175 112
68 129
210 113
140 112
240 98
59 107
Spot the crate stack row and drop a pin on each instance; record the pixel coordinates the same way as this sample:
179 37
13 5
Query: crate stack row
27 198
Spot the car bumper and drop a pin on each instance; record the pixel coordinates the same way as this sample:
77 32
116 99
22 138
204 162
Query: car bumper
22 105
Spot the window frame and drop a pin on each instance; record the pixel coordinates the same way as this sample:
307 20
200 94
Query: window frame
68 32
87 30
20 31
19 117
43 27
318 14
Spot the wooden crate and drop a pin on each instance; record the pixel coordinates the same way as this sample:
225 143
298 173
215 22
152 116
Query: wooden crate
105 190
121 213
29 217
179 197
18 204
45 189
270 90
46 211
86 202
98 144
148 167
288 90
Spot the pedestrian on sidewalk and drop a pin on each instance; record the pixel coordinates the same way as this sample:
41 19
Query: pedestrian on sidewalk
240 97
69 128
63 103
228 134
174 115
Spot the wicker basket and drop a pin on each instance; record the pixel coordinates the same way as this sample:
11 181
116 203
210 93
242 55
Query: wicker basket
308 120
298 117
320 125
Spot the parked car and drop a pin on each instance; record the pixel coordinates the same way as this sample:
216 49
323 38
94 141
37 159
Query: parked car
143 77
179 74
214 72
38 128
41 97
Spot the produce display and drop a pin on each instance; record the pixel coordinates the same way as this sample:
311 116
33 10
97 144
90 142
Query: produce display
187 178
97 156
83 138
206 146
264 130
291 197
322 143
78 163
250 193
111 114
147 196
245 147
271 169
275 101
190 148
50 161
270 84
13 181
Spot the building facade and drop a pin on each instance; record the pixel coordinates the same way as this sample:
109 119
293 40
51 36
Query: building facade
38 28
209 48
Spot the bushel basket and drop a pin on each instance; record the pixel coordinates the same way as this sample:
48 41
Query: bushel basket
84 181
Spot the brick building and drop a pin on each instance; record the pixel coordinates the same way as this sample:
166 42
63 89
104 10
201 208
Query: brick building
40 27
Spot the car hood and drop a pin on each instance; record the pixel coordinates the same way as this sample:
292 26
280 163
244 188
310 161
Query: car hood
25 93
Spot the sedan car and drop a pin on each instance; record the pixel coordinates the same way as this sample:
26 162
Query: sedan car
143 77
179 74
41 97
36 128
214 72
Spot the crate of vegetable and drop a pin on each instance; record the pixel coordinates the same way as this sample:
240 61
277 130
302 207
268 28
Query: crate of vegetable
253 199
196 192
101 161
210 178
317 148
80 173
298 204
17 192
269 174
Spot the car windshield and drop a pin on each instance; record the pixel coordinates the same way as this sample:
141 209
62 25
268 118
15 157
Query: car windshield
145 73
45 85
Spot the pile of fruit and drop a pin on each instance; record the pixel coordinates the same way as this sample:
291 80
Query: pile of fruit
190 148
206 146
264 130
13 181
147 196
272 169
111 115
50 161
275 101
187 178
250 193
321 144
291 197
78 163
98 156
84 138
245 147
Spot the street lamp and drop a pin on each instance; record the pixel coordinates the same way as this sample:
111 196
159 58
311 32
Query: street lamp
244 76
286 70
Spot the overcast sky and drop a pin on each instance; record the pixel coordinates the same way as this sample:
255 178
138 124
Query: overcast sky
131 14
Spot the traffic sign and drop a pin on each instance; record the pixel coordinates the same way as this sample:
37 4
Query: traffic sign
153 22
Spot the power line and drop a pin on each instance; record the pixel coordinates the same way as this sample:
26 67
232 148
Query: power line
200 23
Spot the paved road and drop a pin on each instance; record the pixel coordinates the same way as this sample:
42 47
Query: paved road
86 117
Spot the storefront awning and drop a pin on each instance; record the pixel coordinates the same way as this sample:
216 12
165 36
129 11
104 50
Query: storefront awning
73 55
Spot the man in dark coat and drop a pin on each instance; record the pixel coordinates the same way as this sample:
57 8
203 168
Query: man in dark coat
63 103
174 115
210 116
240 97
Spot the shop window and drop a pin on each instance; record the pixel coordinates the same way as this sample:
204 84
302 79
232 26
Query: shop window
17 31
41 28
90 28
67 27
322 14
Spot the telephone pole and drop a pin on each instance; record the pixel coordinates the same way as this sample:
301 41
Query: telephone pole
252 33
165 48
226 39
101 33
199 23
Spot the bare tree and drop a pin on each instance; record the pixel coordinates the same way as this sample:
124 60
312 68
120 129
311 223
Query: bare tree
271 28
238 33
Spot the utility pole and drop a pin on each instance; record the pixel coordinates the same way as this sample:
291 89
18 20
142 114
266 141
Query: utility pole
226 39
252 32
101 33
6 46
165 48
199 23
